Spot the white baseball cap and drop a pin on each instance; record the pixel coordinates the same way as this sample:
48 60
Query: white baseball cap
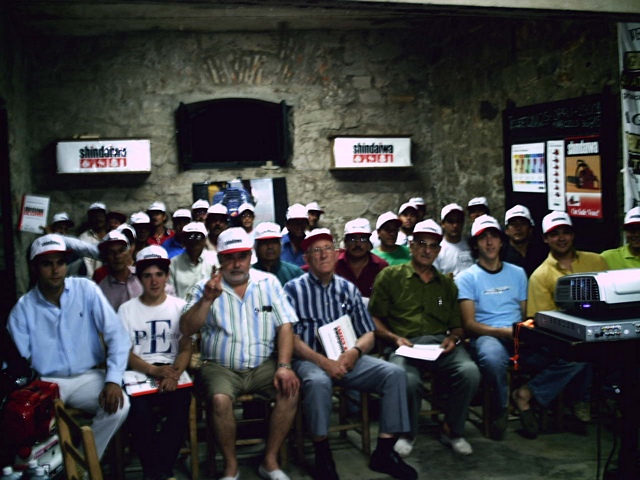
518 211
387 217
157 207
554 220
482 223
200 204
297 210
125 227
62 217
314 207
114 236
234 240
51 243
357 226
182 213
195 227
98 206
267 230
246 206
217 209
632 217
139 218
152 254
406 205
417 201
428 226
447 209
478 201
315 235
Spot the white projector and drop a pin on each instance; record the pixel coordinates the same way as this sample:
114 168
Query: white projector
598 292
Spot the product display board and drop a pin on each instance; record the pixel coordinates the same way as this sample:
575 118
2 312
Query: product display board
562 156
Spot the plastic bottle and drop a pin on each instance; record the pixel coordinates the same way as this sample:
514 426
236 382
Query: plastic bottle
40 474
31 470
9 474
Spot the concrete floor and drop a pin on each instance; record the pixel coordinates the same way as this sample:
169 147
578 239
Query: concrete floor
564 456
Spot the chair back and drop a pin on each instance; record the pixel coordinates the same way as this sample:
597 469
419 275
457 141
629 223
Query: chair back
78 446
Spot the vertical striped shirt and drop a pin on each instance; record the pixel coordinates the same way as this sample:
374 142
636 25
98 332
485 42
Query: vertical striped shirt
240 333
317 305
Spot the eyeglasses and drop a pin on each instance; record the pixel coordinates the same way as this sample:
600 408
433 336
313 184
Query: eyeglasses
317 251
426 245
194 237
356 239
246 215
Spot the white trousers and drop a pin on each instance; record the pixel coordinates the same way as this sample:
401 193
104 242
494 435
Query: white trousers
82 391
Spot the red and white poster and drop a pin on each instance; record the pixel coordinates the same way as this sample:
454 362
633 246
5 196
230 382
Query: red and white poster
104 156
369 152
33 216
583 165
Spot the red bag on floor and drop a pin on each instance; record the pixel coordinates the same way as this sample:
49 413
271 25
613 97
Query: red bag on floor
29 415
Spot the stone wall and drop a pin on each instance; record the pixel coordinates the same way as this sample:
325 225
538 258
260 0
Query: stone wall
444 82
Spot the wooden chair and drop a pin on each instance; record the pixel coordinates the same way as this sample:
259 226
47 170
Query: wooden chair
78 446
345 423
191 447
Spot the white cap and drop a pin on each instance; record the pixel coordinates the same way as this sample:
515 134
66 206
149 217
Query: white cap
428 226
555 220
51 243
152 253
157 207
267 230
217 209
632 217
112 237
297 210
313 206
357 226
182 213
315 235
195 227
478 201
138 218
200 204
98 206
482 223
417 201
62 217
126 227
447 209
406 205
246 206
518 211
387 217
234 240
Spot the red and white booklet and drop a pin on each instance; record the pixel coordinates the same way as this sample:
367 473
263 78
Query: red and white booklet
337 337
136 383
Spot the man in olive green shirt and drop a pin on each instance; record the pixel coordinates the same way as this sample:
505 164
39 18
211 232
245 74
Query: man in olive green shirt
412 304
563 259
627 256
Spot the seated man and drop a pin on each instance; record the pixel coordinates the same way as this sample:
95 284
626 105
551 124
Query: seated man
413 304
297 222
493 296
320 297
159 351
268 249
387 231
195 263
58 326
244 318
627 256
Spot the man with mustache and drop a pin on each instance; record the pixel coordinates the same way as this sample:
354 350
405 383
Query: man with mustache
268 249
217 221
454 256
356 263
247 343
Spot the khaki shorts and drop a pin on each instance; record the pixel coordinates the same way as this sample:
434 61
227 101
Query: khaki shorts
223 380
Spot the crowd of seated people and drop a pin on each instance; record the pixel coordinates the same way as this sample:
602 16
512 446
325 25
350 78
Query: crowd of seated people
255 297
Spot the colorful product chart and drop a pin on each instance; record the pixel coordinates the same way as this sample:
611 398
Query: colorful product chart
528 171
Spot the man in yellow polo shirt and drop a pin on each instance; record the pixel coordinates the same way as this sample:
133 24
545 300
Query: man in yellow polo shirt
626 256
563 259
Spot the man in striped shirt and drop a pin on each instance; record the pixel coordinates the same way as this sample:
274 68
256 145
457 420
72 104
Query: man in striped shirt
244 318
320 297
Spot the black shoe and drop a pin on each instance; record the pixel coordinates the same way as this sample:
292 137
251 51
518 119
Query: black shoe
498 426
530 428
325 471
392 465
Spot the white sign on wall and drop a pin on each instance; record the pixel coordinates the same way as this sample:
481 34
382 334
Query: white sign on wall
33 215
104 156
371 152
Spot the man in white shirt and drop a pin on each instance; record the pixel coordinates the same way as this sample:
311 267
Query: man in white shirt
455 255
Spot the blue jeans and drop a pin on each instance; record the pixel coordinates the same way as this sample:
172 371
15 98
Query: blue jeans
552 374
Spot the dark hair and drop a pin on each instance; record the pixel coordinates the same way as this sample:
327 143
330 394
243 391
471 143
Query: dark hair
473 243
144 264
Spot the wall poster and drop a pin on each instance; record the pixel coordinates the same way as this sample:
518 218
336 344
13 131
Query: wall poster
527 168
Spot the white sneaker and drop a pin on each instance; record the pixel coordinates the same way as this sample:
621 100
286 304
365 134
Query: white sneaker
404 446
458 445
